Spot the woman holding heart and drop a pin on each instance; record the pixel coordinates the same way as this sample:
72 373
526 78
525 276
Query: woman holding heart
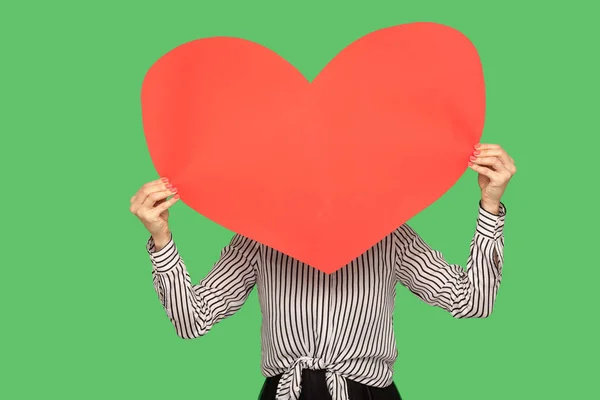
330 336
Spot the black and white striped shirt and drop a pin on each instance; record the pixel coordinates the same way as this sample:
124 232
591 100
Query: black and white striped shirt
339 322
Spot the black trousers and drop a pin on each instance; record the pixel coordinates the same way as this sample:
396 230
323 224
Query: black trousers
314 387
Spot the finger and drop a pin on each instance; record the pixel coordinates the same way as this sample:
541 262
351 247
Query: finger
499 153
148 188
504 159
149 201
483 170
156 211
486 146
153 198
491 162
141 196
500 175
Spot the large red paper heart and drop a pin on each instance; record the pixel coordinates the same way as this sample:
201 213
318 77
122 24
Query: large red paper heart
320 171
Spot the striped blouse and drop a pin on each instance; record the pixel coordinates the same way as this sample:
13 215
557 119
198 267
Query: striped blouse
339 322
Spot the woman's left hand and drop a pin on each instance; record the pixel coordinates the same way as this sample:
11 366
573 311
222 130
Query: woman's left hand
495 168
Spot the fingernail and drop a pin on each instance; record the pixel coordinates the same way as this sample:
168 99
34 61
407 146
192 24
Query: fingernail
169 186
164 179
173 190
473 158
176 196
470 164
476 152
478 145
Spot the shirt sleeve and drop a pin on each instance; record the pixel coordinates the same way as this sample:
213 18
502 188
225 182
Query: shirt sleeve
195 309
465 294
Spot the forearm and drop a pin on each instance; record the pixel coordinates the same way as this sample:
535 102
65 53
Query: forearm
493 207
477 296
160 241
185 309
195 309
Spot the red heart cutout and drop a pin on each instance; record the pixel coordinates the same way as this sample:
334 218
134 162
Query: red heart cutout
320 171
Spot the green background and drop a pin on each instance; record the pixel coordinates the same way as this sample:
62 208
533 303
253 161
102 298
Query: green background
80 318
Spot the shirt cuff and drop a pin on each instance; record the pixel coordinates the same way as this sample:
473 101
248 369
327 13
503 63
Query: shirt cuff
491 225
166 258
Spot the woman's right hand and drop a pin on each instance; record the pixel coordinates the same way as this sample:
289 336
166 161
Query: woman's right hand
151 206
